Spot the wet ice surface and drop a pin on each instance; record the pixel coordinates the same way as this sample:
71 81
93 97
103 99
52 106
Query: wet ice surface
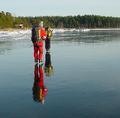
85 83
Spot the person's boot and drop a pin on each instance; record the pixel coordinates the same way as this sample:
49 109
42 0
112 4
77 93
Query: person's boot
36 61
47 50
41 62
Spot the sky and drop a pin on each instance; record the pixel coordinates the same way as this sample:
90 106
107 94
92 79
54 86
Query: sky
61 7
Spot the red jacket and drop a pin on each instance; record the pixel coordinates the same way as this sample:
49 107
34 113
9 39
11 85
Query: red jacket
42 35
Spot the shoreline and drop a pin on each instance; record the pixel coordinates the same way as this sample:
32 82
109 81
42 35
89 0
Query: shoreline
63 29
14 29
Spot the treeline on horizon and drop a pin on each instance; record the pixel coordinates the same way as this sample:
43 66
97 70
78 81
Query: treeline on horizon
7 20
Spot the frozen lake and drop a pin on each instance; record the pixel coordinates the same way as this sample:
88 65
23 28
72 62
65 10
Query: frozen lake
85 83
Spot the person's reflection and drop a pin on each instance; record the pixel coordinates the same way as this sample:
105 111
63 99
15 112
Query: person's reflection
48 65
39 89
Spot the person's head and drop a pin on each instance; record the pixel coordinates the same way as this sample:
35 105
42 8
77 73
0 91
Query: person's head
49 71
46 28
38 95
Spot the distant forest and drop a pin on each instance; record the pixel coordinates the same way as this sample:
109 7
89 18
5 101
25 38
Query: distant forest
7 20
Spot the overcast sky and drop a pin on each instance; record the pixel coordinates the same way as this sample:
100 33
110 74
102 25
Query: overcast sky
61 7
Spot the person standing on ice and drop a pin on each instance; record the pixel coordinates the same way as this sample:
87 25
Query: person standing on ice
48 41
38 35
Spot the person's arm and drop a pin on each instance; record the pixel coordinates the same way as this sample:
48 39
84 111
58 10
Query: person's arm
43 34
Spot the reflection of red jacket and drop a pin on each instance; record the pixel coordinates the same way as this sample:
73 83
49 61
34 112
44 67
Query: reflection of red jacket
39 80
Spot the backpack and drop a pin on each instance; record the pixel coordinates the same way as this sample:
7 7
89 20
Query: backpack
35 34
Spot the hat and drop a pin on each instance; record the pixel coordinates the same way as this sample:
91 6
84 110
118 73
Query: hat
41 24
